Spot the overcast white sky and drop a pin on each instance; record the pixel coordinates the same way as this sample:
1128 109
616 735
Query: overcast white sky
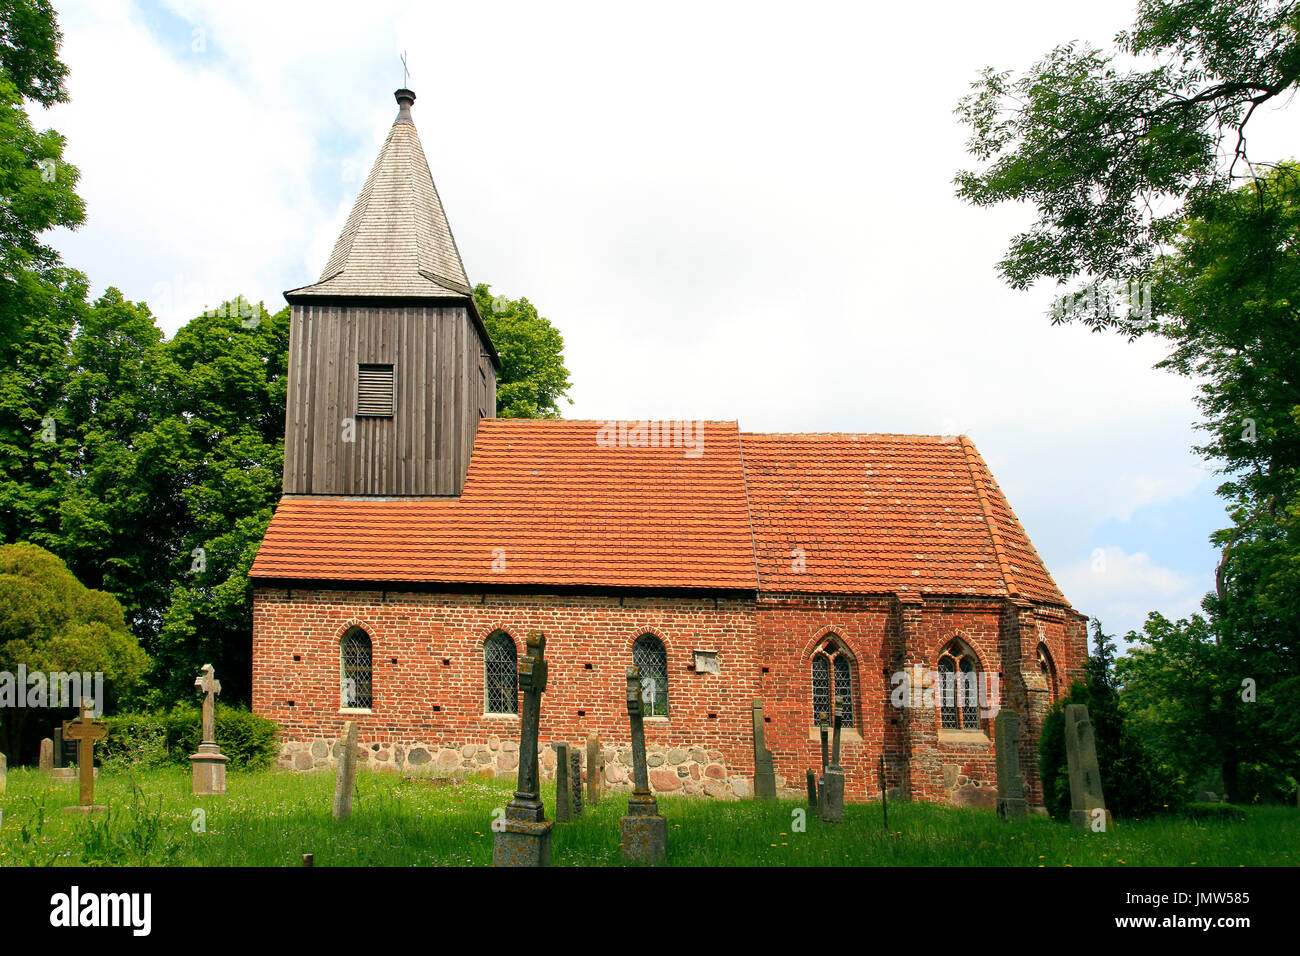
729 211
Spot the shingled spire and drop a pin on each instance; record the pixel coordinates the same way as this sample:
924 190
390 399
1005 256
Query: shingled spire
397 241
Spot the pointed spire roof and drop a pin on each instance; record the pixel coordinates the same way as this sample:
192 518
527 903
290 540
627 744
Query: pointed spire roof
397 241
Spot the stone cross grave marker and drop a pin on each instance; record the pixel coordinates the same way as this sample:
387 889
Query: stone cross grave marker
523 838
562 790
85 730
208 766
644 830
1085 776
345 782
831 790
1011 790
47 756
764 773
575 781
595 768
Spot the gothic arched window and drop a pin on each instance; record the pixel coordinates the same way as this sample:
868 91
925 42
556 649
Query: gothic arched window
1048 669
959 676
651 659
501 674
832 679
355 670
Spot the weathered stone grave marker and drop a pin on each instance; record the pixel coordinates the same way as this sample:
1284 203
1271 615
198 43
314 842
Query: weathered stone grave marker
644 830
1085 777
831 791
575 782
562 790
524 838
345 782
1011 790
764 773
4 773
812 789
209 764
85 730
595 768
47 756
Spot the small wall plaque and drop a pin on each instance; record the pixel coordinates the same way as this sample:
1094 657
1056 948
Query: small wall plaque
706 662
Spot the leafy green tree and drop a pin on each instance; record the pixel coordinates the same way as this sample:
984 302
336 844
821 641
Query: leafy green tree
1109 145
51 622
1133 782
29 50
225 384
533 379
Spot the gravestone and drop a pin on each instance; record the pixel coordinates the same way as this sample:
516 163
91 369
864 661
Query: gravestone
831 792
595 768
575 782
61 749
1085 776
562 789
764 773
524 837
345 782
644 830
85 730
1011 790
208 766
47 756
4 773
812 788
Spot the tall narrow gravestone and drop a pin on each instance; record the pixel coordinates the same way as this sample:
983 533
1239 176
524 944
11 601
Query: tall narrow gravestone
1087 805
46 764
345 783
644 830
1011 790
575 782
812 789
595 769
524 836
209 764
4 773
562 791
831 792
764 773
85 730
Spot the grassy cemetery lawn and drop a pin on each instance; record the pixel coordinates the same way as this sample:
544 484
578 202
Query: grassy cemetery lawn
272 818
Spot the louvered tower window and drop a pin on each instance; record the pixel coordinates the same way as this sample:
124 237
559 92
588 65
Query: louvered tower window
375 390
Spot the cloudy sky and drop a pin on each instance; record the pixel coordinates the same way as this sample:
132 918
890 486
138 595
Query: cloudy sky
729 211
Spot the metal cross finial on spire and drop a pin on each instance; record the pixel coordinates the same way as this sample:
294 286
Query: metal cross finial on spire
406 73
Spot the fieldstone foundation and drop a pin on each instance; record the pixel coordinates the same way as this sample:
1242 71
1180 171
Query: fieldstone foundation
692 771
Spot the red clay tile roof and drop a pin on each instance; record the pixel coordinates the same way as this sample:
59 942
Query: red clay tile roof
573 503
545 503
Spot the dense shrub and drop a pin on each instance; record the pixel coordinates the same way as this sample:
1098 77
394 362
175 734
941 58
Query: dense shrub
1133 783
149 740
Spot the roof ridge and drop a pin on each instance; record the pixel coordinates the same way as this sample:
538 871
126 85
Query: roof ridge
999 549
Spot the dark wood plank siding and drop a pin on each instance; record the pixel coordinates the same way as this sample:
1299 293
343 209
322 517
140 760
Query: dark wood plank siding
424 448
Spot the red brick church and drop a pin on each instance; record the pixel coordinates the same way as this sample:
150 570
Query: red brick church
419 539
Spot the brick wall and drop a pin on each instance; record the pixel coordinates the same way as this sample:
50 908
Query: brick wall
429 703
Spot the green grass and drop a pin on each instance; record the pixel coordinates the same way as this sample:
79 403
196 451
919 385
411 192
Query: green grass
271 818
